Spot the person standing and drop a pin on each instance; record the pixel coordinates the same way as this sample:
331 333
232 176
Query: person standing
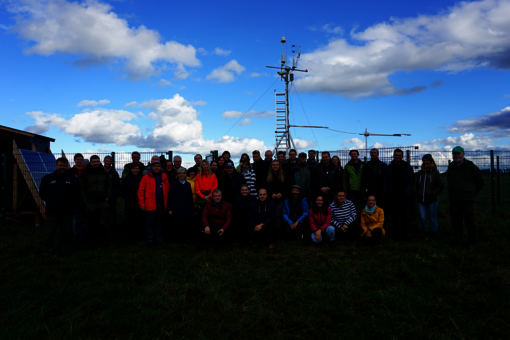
115 179
153 198
80 215
154 158
258 166
230 183
372 178
135 158
295 215
169 170
249 177
286 167
244 157
326 179
465 181
428 187
302 174
277 186
352 179
60 191
178 162
96 188
398 187
198 161
312 161
181 208
133 215
205 183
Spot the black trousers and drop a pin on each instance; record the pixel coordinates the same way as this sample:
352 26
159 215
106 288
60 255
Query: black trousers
464 213
96 213
135 222
62 224
398 211
183 231
302 230
376 237
214 239
268 233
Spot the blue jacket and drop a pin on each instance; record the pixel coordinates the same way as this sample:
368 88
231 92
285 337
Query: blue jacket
286 212
61 193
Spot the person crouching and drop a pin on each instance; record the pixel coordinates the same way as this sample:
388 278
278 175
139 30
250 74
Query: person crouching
295 215
216 219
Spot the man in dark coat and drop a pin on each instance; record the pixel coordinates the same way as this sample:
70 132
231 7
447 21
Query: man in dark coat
372 178
60 191
465 181
180 206
96 188
398 187
262 226
259 166
134 217
230 182
115 179
326 179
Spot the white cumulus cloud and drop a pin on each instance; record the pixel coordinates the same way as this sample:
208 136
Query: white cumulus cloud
130 104
252 113
225 74
219 51
93 102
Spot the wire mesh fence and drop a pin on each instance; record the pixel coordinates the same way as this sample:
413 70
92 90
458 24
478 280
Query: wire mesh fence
21 174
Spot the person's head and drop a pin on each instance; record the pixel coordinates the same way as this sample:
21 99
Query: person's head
246 164
295 191
398 155
156 167
319 201
302 157
292 154
268 155
107 161
177 162
135 169
95 162
226 155
192 172
61 166
204 168
221 161
154 159
280 156
256 156
214 165
340 197
275 165
198 158
326 157
275 172
458 154
371 201
181 174
311 154
243 157
216 195
169 167
245 190
374 154
262 195
354 154
427 159
336 161
78 160
135 156
229 168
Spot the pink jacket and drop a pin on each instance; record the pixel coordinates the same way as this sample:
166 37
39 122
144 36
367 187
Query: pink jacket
319 220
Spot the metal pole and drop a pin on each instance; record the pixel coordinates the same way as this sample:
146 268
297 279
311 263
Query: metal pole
493 183
113 160
4 191
408 156
498 182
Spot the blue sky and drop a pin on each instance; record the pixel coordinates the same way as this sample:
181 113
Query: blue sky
125 75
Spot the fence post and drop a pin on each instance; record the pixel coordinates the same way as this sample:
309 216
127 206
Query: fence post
498 182
493 183
113 160
170 155
408 156
4 191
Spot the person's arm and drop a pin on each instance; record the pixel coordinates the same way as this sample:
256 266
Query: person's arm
286 214
334 219
141 193
215 183
305 208
379 214
228 220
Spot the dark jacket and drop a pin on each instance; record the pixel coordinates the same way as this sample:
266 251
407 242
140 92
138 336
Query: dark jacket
230 186
129 191
61 193
260 169
127 169
241 208
180 200
264 213
326 176
95 184
277 187
217 217
296 177
428 185
405 184
372 177
464 181
115 179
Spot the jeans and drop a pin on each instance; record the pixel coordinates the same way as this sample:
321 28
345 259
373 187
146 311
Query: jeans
54 224
431 208
330 234
80 222
154 222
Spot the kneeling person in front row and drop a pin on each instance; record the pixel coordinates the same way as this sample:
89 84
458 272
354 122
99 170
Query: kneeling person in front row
372 223
295 215
320 221
343 214
262 225
216 218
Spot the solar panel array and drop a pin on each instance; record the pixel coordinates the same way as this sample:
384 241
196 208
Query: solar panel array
39 164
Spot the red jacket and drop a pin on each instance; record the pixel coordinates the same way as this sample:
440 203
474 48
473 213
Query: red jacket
205 183
147 191
217 217
75 171
319 220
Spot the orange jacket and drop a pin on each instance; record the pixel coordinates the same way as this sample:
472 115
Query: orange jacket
376 220
147 191
205 183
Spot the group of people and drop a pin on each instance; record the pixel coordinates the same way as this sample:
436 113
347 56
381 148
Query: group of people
257 200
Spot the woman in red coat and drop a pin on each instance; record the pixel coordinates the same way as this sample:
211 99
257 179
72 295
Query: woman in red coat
320 221
205 183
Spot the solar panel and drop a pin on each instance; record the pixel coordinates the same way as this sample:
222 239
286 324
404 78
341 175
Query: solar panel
39 164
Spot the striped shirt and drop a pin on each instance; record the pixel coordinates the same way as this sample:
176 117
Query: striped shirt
343 214
250 178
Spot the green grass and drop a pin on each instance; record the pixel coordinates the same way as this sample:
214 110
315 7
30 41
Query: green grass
421 289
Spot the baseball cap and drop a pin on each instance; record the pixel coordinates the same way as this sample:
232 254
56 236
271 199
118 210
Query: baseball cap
458 149
229 164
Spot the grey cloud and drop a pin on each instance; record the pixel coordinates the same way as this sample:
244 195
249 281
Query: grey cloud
497 123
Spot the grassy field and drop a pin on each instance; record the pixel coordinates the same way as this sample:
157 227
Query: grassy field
420 289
